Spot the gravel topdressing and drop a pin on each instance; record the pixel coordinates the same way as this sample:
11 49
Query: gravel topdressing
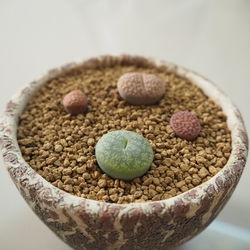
61 147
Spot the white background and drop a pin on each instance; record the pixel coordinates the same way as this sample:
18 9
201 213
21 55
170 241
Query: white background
210 37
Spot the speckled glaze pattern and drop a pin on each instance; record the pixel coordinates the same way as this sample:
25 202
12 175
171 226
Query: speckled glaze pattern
88 224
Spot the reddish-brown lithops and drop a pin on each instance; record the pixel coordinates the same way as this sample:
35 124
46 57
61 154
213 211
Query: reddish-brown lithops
185 125
75 102
141 89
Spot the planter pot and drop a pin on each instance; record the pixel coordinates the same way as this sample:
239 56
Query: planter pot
89 224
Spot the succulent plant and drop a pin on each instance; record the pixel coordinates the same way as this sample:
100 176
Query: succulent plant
124 154
141 89
185 125
75 102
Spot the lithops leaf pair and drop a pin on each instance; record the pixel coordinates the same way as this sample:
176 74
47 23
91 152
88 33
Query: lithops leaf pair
141 89
185 125
124 154
75 102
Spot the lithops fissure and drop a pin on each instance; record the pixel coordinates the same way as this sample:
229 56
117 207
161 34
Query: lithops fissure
124 154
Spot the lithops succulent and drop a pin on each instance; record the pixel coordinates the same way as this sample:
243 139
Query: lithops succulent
75 102
185 125
124 154
141 89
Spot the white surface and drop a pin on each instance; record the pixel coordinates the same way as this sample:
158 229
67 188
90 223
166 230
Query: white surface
210 37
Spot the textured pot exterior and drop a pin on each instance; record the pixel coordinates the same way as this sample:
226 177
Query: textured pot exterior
89 224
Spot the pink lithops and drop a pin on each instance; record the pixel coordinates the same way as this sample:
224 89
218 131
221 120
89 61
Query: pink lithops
75 102
141 89
185 125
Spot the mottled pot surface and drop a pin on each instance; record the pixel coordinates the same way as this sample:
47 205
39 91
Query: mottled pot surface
89 224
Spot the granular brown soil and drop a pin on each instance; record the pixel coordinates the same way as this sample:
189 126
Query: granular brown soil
61 147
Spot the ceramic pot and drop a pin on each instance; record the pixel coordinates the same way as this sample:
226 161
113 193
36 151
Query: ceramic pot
89 224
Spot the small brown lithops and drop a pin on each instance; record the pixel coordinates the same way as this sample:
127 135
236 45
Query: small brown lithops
75 102
141 89
185 125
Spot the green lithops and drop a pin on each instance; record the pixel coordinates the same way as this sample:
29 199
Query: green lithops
124 154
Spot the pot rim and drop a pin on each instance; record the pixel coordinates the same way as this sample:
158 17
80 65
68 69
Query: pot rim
8 127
